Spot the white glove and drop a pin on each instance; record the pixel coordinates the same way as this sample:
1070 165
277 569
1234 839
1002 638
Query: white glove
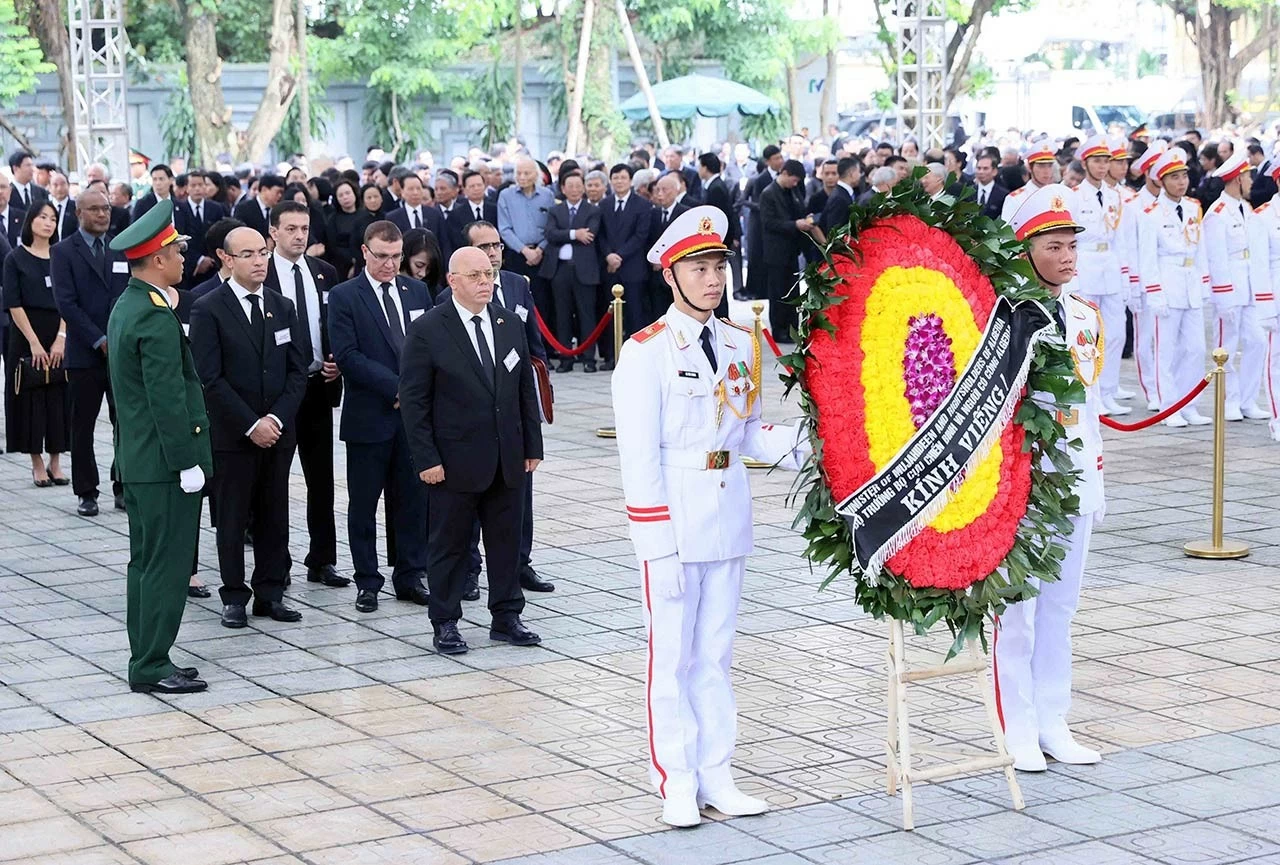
1159 304
666 576
1134 302
1229 314
191 480
1270 325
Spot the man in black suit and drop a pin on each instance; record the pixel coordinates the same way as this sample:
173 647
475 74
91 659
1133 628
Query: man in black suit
840 199
306 281
11 213
717 193
572 266
256 212
416 212
666 208
688 174
215 238
625 222
60 198
119 215
88 277
247 348
368 317
756 287
466 365
161 188
990 195
25 189
193 218
472 206
785 229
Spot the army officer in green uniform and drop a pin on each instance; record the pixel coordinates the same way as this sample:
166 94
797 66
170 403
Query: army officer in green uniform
162 448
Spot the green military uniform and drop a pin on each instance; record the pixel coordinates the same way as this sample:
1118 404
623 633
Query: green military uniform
161 429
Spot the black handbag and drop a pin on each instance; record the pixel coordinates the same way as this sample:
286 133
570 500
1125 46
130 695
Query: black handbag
28 376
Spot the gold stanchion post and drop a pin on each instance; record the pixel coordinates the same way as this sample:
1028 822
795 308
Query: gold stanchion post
1218 547
757 308
615 307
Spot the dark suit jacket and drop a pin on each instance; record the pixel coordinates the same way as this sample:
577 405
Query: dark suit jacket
432 220
361 342
325 278
836 210
120 220
38 194
462 215
658 226
717 194
147 201
516 295
627 234
85 295
455 416
207 286
13 224
995 201
779 211
250 213
185 221
245 379
586 260
692 181
70 222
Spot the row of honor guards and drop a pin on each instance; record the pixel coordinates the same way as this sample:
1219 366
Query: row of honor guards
1182 272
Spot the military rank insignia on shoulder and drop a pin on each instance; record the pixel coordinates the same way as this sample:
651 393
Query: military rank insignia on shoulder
158 300
1262 207
1217 208
1087 303
649 332
1150 207
742 327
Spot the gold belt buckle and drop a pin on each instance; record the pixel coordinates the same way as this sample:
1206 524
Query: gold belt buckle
1103 247
1188 262
717 460
1069 418
1244 254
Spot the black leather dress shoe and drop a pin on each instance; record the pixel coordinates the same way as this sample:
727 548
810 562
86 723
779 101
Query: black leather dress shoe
277 611
589 366
234 616
531 582
366 601
120 502
565 366
607 366
328 576
88 507
418 594
187 672
198 592
173 684
471 591
512 630
448 641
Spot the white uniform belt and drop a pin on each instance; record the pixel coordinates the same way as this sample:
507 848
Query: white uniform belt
700 460
1179 260
1240 254
1100 246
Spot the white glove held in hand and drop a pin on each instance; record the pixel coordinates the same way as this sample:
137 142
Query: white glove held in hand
666 576
191 480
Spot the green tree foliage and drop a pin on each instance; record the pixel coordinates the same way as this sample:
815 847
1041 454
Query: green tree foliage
244 30
21 59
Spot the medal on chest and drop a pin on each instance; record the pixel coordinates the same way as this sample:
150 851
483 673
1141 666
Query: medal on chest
738 381
1191 231
1086 355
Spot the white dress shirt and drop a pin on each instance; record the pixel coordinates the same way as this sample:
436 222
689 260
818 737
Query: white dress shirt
242 294
413 212
395 298
475 209
622 201
499 296
284 270
486 325
984 192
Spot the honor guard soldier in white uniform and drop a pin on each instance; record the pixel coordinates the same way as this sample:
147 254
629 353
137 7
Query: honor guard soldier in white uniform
1032 651
1144 320
1096 207
1040 162
686 405
1269 216
1236 244
1175 275
1127 233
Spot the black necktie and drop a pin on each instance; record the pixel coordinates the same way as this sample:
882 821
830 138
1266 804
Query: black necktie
982 199
666 217
1060 317
417 221
1242 208
1099 197
486 358
199 217
393 317
97 251
1179 211
479 213
304 318
707 348
618 209
573 213
256 322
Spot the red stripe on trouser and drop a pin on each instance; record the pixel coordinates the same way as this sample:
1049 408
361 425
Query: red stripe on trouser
1219 333
1271 390
648 689
1137 357
995 670
1159 397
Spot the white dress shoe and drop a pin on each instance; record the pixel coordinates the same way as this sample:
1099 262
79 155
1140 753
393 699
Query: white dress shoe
1176 421
1232 412
1064 748
1121 393
1195 418
1111 407
1252 412
732 802
1026 758
1274 428
681 810
1153 405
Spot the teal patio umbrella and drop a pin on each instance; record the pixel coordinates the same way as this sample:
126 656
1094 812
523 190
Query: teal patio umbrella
681 98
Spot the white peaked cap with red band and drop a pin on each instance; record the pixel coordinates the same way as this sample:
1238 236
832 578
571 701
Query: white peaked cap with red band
1149 156
698 231
1045 209
1094 145
1237 164
1170 161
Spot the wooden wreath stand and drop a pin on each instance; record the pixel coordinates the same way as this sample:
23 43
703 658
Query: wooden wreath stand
900 751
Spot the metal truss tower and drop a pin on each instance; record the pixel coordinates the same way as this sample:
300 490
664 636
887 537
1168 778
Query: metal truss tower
99 82
922 71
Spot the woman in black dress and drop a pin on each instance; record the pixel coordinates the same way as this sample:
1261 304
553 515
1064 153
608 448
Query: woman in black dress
39 420
346 228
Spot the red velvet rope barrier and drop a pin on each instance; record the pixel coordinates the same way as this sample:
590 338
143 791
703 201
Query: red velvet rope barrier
773 346
583 346
1156 418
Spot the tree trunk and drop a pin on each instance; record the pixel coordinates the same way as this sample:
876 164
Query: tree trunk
281 85
642 77
793 98
657 63
826 110
48 22
1213 45
214 133
519 61
958 65
580 79
599 114
304 87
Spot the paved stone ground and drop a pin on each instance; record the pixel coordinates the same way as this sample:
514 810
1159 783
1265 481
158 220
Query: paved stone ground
344 739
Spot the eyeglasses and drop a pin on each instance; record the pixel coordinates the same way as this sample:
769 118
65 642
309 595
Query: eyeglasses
97 208
250 255
385 258
490 247
476 276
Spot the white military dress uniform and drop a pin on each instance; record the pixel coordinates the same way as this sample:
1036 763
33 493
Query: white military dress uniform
1144 319
1175 275
1269 217
1100 279
1236 246
1042 153
682 424
1032 647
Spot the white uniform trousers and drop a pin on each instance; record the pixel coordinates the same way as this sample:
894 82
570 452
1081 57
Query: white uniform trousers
1180 354
1111 309
1032 650
1144 352
1244 334
1271 383
690 616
